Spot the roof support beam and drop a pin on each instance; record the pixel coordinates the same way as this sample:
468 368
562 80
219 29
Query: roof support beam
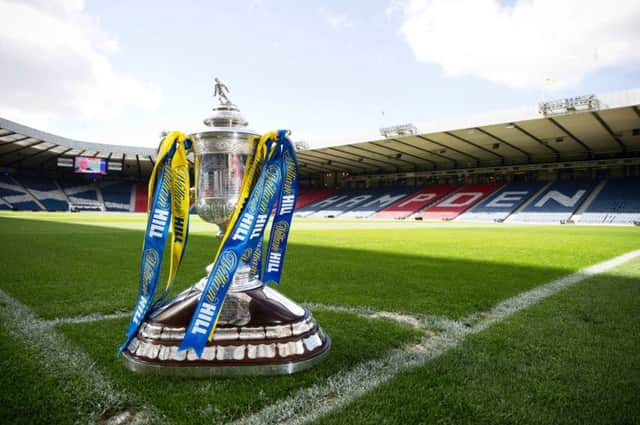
455 161
540 142
308 154
153 163
402 153
382 155
358 157
109 159
322 164
5 142
494 137
313 167
27 158
570 134
21 148
604 125
448 133
55 156
139 167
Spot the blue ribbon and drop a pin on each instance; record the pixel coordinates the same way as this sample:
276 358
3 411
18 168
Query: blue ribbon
286 206
244 236
158 226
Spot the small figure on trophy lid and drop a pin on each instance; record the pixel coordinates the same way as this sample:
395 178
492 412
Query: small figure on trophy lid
220 90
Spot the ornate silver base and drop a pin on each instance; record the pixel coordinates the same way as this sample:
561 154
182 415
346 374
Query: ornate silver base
260 332
203 371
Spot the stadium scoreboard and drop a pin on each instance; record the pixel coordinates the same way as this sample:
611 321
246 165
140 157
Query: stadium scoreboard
89 165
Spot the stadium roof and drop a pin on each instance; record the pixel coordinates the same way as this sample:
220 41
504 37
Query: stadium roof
22 146
567 135
609 128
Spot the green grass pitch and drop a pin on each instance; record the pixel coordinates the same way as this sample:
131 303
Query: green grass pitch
572 358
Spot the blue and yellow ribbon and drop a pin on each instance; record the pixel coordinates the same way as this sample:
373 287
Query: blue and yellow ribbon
271 176
168 209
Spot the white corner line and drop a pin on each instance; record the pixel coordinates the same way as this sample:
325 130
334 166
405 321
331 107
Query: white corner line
75 371
87 318
522 301
418 321
309 404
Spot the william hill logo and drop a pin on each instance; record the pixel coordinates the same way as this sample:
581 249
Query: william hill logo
208 311
150 260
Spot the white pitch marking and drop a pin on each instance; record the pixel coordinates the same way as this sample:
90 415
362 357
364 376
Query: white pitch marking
127 418
416 320
519 302
77 373
309 404
87 318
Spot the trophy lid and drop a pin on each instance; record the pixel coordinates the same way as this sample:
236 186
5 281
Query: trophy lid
226 129
225 115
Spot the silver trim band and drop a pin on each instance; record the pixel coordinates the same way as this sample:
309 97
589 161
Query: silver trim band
202 371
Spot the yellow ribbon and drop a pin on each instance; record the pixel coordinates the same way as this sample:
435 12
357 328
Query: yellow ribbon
180 184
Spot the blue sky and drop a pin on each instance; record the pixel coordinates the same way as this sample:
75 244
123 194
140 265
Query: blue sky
122 71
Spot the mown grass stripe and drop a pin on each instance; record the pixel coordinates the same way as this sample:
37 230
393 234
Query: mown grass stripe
314 402
79 379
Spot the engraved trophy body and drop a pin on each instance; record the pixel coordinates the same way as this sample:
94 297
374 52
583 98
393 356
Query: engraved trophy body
260 331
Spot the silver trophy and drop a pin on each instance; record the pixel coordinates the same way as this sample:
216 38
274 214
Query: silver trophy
260 331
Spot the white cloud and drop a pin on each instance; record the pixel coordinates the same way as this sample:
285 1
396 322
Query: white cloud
55 64
339 21
522 44
393 7
336 20
112 45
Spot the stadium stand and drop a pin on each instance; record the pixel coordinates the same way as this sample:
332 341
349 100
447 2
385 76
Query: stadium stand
600 139
556 204
314 207
82 195
381 199
502 203
15 195
417 201
46 191
457 202
348 201
117 196
308 196
617 203
142 197
4 206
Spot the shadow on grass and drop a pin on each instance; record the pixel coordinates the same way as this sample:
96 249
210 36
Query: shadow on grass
69 269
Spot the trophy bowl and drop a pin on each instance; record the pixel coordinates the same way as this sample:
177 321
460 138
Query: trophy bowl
260 331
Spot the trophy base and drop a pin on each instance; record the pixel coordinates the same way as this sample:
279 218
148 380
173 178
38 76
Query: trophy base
260 332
